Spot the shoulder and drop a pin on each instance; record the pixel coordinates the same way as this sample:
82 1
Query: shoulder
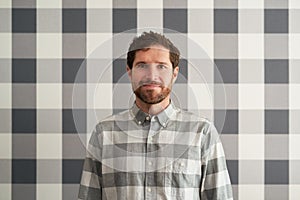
109 121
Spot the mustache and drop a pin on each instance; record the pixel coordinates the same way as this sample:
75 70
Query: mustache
142 83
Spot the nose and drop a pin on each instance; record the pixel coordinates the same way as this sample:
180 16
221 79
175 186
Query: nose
152 72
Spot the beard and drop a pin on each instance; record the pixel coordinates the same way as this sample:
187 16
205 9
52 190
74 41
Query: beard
152 96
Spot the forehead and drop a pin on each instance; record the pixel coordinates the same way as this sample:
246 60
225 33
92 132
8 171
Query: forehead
153 54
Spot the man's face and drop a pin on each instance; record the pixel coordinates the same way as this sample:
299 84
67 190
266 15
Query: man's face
152 74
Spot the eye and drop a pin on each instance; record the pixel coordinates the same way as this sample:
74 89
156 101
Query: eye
142 65
161 66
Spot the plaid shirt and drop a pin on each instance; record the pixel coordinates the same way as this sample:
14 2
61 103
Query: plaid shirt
173 155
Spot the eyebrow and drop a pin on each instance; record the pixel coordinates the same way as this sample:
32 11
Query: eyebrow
143 62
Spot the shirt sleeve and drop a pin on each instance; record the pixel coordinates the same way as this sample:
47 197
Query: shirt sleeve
215 181
90 185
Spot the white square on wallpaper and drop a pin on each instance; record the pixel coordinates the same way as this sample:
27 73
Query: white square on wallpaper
294 47
49 191
99 45
149 18
49 146
5 191
200 4
251 147
200 96
250 192
150 4
294 146
99 4
294 192
251 46
5 41
295 4
294 96
5 93
49 96
49 45
99 96
251 96
200 45
251 4
48 4
5 146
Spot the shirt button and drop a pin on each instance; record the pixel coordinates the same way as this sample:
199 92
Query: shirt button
149 189
147 118
182 164
140 122
164 124
150 163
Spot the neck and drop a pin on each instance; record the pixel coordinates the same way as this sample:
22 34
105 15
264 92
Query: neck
152 109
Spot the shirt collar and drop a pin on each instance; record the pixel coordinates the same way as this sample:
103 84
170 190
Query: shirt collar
163 117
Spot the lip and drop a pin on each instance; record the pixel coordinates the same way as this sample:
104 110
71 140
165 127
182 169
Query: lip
151 86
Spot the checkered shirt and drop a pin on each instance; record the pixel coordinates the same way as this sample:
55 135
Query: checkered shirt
173 155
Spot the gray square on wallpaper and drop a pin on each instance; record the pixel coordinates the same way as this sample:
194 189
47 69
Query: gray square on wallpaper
124 20
24 95
23 20
74 71
74 121
226 71
72 170
276 46
294 172
225 20
251 21
119 71
276 147
225 96
74 20
276 192
233 170
251 172
226 46
276 3
276 71
74 3
226 4
74 96
124 3
23 4
276 121
5 121
23 191
24 71
5 71
231 146
276 21
276 96
73 148
99 20
70 191
24 171
226 121
99 71
74 45
49 71
5 20
23 45
24 146
175 20
49 21
23 120
179 95
200 21
49 171
276 172
200 71
294 23
49 121
5 175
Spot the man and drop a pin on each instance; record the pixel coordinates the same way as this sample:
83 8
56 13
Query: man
154 150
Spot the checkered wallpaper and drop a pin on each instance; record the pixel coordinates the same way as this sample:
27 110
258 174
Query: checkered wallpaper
255 45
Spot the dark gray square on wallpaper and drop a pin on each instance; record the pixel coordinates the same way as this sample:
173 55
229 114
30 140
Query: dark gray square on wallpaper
124 20
276 121
74 121
23 120
226 71
225 20
233 170
175 19
276 71
119 71
70 191
23 171
72 170
230 125
183 71
24 71
23 191
74 71
276 172
74 20
23 20
276 21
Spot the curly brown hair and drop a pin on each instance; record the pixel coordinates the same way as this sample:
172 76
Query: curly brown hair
146 40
